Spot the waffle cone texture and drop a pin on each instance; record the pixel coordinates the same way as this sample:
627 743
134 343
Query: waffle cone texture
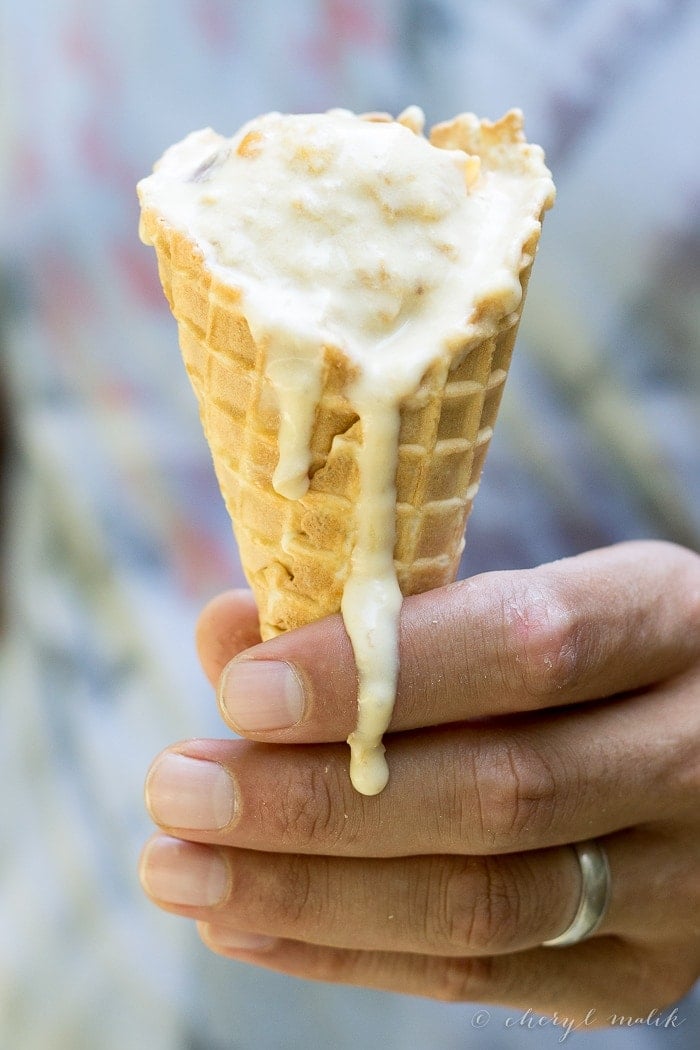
296 554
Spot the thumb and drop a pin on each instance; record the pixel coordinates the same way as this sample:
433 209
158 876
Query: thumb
227 626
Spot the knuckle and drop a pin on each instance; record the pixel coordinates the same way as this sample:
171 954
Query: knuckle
462 980
518 795
295 899
552 638
307 812
478 909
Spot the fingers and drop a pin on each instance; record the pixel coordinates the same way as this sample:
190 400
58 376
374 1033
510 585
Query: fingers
430 905
227 626
572 986
433 905
497 787
585 628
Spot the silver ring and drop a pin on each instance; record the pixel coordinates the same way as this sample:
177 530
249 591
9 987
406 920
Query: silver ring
595 894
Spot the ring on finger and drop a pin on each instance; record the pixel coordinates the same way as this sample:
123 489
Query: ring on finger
595 895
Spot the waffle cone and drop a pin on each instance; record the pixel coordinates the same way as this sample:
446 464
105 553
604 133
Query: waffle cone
296 554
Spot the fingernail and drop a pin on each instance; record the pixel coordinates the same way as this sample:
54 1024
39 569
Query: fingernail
178 872
260 695
252 942
183 792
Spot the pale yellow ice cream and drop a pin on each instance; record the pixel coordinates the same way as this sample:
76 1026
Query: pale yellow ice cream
360 234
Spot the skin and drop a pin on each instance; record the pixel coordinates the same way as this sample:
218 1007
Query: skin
535 708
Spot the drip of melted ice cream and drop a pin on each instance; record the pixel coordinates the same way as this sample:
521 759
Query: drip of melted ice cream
358 234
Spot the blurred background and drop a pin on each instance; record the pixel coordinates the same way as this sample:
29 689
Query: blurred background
113 530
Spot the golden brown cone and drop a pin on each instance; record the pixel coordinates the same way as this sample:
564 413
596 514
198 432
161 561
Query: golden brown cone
296 553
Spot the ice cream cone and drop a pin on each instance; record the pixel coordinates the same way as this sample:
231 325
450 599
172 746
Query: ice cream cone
296 553
347 298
